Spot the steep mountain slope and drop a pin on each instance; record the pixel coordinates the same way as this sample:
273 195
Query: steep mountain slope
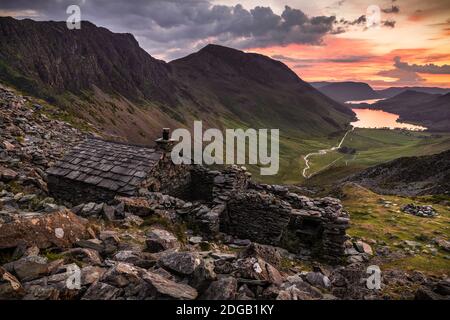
409 176
49 56
430 110
108 80
434 114
258 90
94 74
349 91
393 91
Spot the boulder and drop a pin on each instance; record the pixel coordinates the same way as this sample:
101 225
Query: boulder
61 229
443 244
203 275
91 209
293 293
111 241
10 287
222 289
102 291
167 289
269 254
8 145
138 258
318 279
183 263
304 286
94 244
7 175
363 247
160 240
424 293
139 206
138 283
88 256
31 267
256 269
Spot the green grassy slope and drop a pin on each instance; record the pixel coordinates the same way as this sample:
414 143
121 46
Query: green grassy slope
380 218
373 146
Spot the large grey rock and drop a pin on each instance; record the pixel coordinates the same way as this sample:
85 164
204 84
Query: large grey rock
184 263
168 289
7 174
160 240
138 258
138 283
256 269
363 247
222 289
31 267
269 254
318 279
61 229
88 256
102 291
10 287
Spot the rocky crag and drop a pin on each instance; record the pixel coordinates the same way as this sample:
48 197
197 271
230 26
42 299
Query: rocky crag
156 246
408 176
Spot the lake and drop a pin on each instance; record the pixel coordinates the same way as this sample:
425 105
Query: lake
368 118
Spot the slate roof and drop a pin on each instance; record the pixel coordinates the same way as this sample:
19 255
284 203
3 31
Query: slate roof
114 166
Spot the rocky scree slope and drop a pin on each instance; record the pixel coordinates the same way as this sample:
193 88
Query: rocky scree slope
408 176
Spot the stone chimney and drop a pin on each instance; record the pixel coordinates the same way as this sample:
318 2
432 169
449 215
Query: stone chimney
164 143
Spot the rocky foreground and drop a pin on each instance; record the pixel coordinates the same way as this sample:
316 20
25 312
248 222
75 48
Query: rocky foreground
142 247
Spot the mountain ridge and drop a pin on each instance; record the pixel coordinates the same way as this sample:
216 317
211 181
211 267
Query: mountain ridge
348 91
113 83
429 110
408 176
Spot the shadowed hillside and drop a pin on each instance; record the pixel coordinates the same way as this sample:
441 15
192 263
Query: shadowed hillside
108 80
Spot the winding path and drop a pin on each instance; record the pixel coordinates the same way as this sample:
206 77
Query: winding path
321 153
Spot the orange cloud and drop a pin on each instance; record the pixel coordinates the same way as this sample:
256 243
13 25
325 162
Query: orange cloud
340 59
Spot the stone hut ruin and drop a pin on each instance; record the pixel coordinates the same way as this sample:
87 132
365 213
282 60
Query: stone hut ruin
217 203
98 170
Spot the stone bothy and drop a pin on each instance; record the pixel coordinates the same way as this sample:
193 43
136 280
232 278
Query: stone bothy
98 170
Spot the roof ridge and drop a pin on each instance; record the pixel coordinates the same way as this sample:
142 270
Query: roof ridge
121 143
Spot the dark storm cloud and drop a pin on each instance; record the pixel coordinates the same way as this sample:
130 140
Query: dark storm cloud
392 9
389 23
361 22
174 27
429 68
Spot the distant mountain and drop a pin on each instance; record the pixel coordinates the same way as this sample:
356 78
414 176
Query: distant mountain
319 84
257 90
108 80
429 110
44 57
393 91
408 176
348 91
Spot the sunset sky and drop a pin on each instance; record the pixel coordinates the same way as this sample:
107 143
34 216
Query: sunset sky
322 40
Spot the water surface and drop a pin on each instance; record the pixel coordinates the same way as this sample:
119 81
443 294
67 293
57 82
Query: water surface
368 118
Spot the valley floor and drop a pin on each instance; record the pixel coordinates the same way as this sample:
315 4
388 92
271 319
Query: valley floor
373 146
